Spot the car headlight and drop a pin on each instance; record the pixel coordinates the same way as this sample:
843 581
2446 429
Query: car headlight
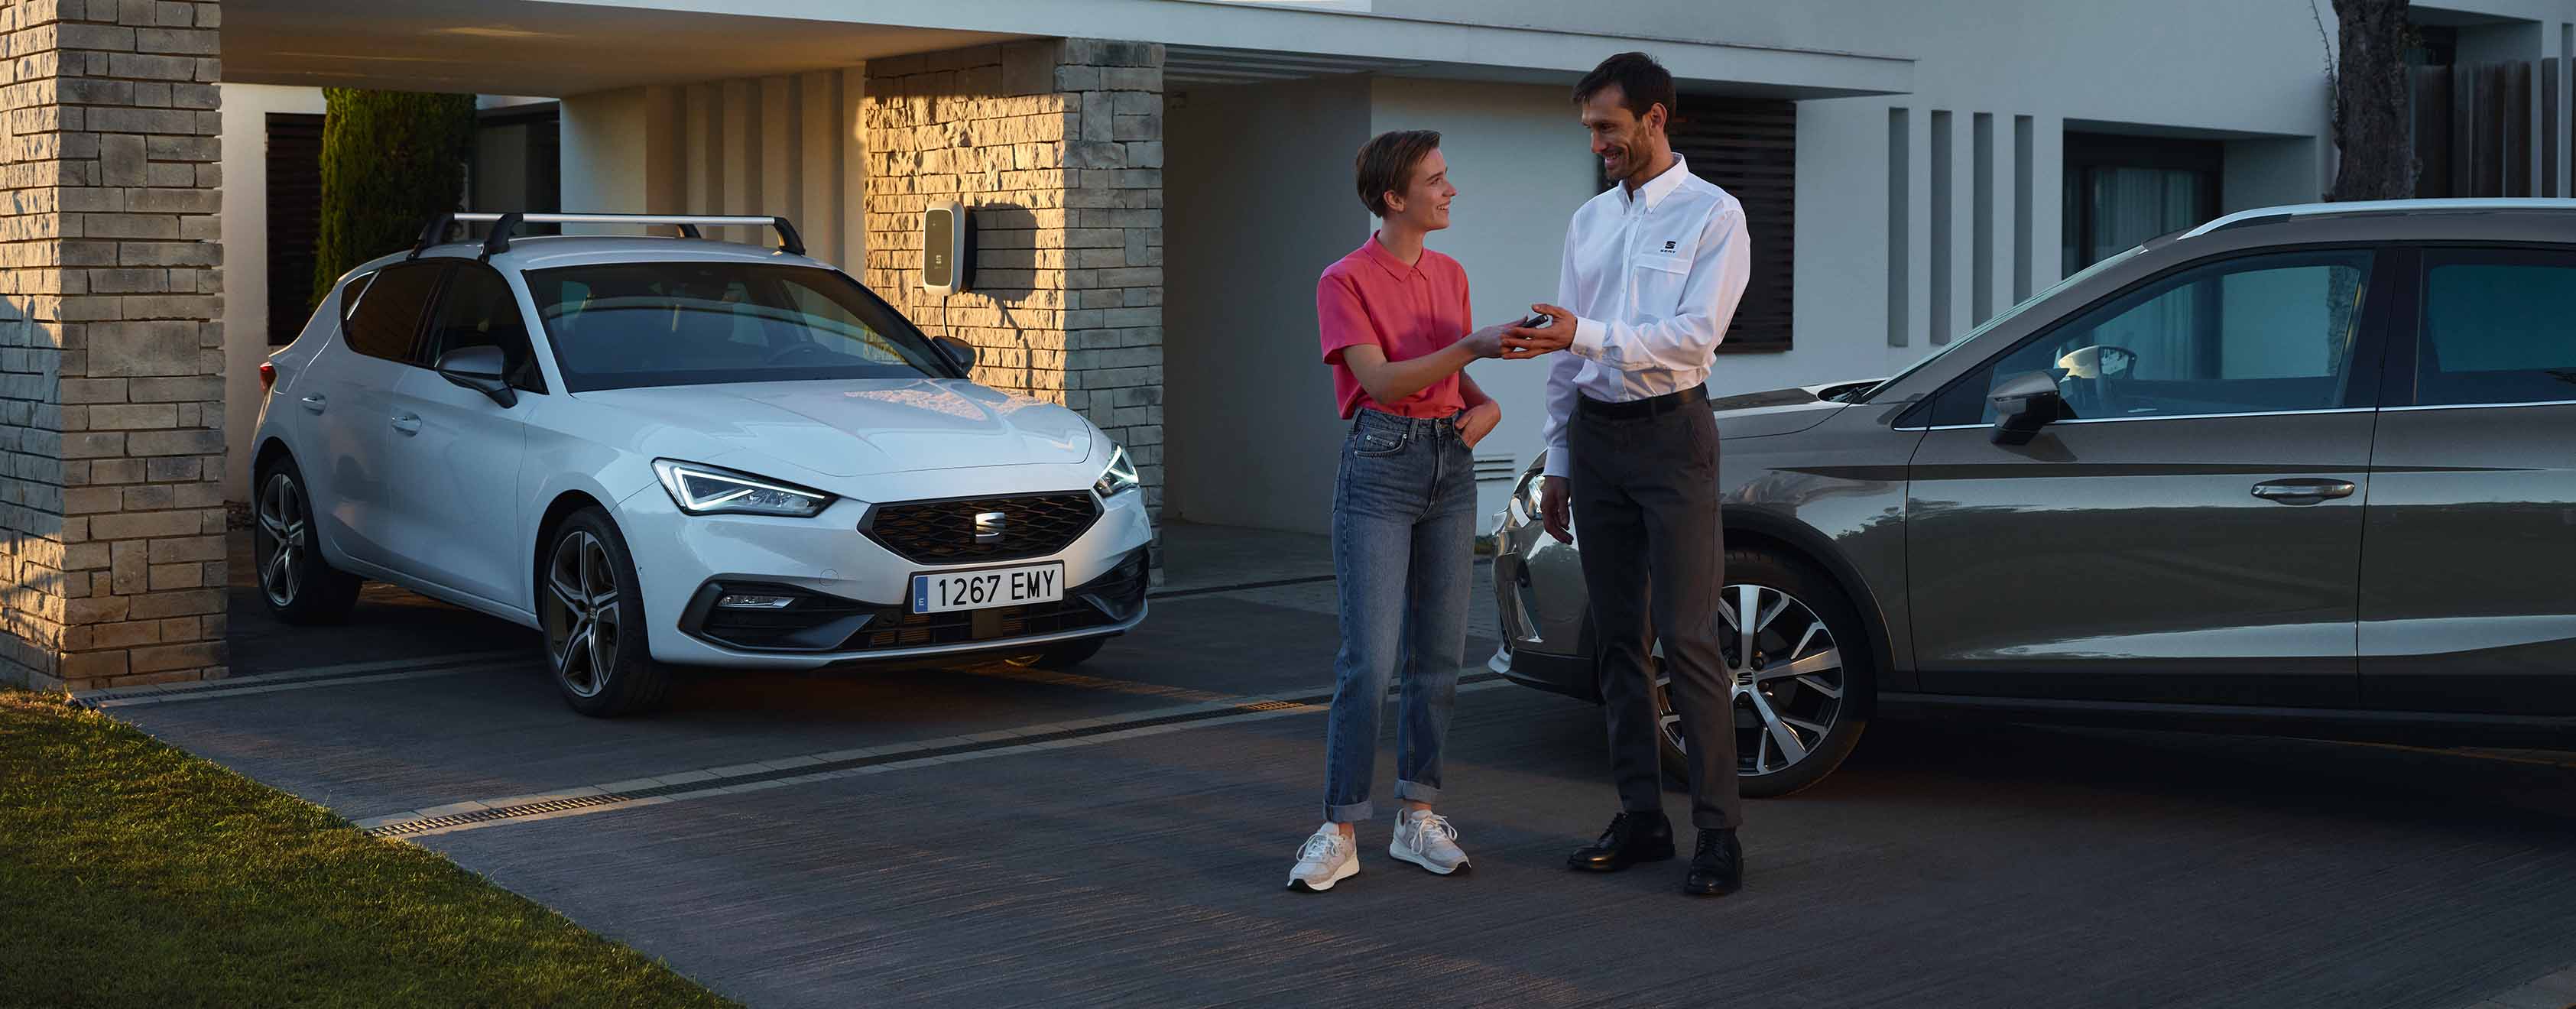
706 490
1120 476
1525 506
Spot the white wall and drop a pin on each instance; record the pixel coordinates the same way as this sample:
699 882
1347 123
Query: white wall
1257 201
785 145
245 237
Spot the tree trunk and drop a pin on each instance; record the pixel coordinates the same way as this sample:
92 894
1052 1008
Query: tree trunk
2371 116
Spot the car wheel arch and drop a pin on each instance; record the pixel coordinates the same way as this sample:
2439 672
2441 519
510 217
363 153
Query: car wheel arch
1749 528
562 507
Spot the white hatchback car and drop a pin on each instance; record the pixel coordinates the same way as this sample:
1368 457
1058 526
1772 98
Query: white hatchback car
680 452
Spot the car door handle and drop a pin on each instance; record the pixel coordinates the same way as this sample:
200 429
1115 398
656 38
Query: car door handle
314 403
2303 491
407 423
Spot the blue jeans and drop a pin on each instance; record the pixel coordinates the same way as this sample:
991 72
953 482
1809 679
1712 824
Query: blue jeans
1404 551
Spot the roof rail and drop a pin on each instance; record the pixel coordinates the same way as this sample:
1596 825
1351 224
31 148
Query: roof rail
503 225
2262 215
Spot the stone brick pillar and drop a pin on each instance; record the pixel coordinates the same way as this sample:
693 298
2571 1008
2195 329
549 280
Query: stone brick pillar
1056 148
111 400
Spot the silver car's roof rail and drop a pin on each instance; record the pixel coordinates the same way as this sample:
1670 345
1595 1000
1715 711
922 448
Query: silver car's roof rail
2268 214
503 224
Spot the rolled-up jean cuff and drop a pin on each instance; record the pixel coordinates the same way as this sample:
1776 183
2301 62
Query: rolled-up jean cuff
1415 791
1357 812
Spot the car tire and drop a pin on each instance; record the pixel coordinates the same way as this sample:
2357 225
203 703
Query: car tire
590 606
1771 575
1061 656
299 586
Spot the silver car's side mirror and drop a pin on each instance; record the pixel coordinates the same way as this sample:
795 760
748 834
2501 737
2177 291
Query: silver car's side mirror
957 350
482 369
2025 403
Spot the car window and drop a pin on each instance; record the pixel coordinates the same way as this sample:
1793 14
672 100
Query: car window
2007 315
384 319
2255 334
2496 328
478 310
626 325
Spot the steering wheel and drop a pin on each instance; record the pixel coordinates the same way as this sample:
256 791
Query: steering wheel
783 356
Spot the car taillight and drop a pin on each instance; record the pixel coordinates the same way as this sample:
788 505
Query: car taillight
267 377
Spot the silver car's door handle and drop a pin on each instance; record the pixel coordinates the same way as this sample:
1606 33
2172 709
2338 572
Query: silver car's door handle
315 402
407 423
2303 491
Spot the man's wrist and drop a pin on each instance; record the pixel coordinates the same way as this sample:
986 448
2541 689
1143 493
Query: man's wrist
1588 336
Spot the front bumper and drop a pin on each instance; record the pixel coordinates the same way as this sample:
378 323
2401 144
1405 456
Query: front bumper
1542 646
858 589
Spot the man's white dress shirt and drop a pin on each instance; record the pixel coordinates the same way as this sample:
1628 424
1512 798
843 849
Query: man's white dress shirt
1653 278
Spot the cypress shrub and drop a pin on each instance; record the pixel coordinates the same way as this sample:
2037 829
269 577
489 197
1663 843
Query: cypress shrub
390 159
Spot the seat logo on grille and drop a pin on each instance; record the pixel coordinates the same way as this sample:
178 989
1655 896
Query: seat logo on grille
989 526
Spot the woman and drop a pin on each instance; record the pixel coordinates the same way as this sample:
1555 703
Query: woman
1394 317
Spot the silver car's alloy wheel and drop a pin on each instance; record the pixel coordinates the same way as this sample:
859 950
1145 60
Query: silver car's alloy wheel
1786 677
581 613
284 532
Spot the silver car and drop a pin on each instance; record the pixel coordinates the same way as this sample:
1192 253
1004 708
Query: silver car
2303 469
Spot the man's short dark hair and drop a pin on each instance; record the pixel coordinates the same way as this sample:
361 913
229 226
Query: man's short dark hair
1386 164
1642 82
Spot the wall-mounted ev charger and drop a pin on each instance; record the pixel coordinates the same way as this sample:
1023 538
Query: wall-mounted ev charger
947 249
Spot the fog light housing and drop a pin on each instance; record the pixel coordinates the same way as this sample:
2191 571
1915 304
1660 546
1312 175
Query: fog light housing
755 602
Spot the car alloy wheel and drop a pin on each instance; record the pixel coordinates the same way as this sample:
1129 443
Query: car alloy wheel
581 613
285 532
1786 676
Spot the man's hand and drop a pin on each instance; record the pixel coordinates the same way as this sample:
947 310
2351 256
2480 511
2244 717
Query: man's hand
1554 508
1479 422
1486 342
1523 342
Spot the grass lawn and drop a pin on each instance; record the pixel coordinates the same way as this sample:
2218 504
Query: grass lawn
133 874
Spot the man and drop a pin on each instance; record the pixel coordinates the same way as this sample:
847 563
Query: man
1653 270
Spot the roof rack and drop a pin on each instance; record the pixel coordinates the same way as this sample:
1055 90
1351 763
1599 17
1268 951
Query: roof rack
503 224
2264 215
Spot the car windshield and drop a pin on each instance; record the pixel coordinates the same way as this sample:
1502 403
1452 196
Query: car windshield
2079 275
628 325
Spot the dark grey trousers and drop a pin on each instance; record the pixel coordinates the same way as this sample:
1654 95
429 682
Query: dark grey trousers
1645 514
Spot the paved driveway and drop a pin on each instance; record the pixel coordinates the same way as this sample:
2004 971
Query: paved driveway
998 836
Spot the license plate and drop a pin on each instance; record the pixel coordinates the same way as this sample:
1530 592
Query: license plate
978 590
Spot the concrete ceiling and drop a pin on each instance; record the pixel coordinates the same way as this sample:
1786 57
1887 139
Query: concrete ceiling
528 48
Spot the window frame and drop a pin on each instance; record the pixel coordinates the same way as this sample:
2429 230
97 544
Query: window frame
429 344
2400 382
2370 362
2084 153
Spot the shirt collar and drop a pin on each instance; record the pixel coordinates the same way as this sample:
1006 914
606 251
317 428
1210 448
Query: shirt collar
1376 252
1655 189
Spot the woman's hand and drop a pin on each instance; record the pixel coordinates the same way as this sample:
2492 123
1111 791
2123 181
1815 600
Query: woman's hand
1478 422
1486 342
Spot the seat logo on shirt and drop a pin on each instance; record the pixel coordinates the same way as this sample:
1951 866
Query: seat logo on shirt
1669 245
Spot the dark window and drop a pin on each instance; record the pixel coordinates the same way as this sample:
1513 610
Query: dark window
2496 328
1749 147
380 313
2121 191
478 310
294 220
627 325
2254 334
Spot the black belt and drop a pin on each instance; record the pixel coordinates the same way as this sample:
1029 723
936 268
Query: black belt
1647 407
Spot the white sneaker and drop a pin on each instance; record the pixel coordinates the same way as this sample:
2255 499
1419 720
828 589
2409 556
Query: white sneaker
1327 858
1426 839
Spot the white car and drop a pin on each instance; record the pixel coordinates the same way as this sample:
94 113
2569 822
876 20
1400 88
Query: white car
681 452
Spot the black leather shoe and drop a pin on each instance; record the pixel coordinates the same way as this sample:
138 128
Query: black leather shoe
1631 839
1717 867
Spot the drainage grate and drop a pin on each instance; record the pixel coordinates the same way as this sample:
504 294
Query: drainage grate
407 827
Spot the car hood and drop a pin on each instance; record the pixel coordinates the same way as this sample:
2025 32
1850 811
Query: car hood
858 428
1778 411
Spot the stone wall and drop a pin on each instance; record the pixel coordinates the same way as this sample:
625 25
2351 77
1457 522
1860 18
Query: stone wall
111 404
1056 148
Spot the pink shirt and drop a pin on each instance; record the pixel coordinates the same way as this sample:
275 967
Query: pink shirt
1371 297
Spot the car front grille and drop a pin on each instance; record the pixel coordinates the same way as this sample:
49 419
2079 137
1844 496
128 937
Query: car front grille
946 532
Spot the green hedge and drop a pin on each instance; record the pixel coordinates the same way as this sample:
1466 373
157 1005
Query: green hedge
389 160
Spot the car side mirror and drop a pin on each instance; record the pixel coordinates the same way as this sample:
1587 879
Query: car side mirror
482 369
2025 403
957 350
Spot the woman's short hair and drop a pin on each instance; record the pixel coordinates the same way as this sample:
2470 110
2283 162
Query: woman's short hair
1386 164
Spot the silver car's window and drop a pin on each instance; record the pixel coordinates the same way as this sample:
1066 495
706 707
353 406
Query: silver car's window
2496 328
627 325
2257 334
2078 277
